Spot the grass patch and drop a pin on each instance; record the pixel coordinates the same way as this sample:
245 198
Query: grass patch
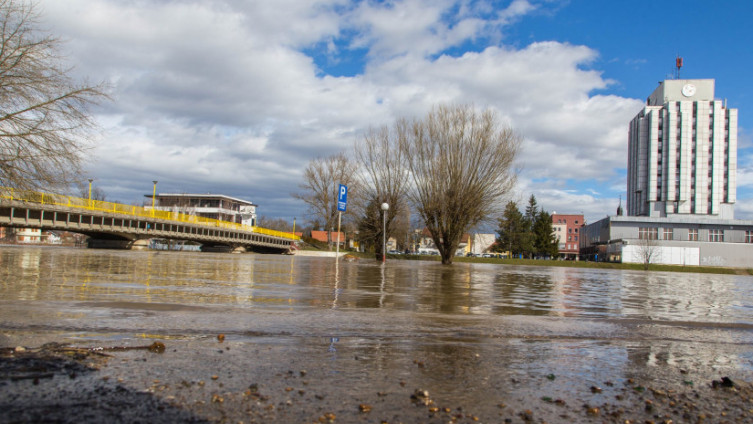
579 264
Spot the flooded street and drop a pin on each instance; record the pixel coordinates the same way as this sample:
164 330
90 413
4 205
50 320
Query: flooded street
305 337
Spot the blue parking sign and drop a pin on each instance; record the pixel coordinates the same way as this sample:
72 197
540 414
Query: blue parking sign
342 198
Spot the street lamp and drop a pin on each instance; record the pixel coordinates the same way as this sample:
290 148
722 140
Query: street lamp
90 191
154 194
385 208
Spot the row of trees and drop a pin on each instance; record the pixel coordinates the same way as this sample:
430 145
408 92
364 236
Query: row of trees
530 234
453 168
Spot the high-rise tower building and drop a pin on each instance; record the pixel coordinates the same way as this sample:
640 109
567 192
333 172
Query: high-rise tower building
682 153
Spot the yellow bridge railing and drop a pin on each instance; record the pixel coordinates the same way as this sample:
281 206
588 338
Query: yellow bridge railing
101 206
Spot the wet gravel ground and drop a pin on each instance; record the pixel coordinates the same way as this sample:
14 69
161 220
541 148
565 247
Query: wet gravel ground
213 379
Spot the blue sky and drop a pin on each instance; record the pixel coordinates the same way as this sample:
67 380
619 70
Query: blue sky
235 97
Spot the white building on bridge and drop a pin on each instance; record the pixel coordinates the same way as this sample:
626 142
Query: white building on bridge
214 206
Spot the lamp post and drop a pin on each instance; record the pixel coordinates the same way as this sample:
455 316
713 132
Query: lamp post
90 191
154 194
385 208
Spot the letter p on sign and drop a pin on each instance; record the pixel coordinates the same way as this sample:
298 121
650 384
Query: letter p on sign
342 198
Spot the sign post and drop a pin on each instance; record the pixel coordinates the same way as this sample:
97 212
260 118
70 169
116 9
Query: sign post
342 203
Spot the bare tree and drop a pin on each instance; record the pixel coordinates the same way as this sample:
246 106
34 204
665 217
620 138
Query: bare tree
401 229
462 164
648 251
321 180
383 178
278 224
44 123
96 192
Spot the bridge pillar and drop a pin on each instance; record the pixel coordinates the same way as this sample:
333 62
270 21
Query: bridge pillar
142 244
109 244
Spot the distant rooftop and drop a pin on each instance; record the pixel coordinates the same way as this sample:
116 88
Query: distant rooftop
682 90
200 196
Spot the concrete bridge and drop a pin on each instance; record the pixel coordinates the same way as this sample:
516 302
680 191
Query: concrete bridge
118 226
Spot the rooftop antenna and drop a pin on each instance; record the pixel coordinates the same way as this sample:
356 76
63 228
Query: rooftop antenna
678 64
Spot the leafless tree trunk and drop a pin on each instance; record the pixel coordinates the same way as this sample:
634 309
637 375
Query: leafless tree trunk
321 180
401 229
648 251
462 164
44 123
383 178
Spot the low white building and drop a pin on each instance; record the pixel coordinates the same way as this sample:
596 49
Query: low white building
426 244
480 243
688 240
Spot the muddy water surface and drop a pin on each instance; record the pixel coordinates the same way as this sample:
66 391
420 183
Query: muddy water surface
486 341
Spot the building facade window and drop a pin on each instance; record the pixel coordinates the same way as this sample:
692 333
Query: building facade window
668 234
693 234
648 233
716 235
749 236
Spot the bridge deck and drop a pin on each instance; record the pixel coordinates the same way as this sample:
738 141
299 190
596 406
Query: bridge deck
112 221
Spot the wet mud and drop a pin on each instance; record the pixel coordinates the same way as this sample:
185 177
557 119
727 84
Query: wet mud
213 380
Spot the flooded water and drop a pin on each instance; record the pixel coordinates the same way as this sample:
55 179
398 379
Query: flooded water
101 291
465 330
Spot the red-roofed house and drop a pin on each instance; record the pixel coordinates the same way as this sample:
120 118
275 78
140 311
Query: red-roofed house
322 237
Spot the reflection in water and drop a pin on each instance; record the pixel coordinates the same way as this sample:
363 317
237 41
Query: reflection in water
464 318
523 292
381 286
337 282
30 260
266 281
332 341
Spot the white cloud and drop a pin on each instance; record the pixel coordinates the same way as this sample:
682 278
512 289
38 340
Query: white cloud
553 196
745 171
744 209
221 95
540 90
